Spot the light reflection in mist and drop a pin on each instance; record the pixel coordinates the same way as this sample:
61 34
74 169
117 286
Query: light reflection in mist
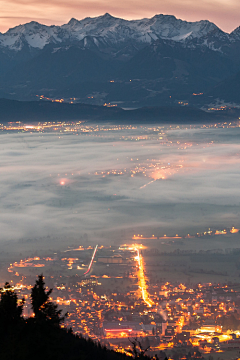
187 180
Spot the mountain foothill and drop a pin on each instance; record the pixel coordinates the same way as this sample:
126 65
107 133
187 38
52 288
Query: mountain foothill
161 61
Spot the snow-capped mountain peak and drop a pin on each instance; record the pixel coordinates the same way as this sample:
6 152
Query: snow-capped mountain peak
73 22
106 29
33 34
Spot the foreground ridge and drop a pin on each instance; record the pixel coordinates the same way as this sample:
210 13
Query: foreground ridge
41 335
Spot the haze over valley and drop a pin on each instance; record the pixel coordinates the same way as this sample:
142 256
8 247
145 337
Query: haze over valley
107 179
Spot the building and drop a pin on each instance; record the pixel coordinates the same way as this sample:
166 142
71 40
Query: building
116 259
122 329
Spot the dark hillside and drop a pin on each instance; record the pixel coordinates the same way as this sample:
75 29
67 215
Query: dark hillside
42 336
36 111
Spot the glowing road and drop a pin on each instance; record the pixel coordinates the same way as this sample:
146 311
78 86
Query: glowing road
141 276
91 262
142 280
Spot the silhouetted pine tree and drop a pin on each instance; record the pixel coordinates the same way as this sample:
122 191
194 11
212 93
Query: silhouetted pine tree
11 322
10 308
43 308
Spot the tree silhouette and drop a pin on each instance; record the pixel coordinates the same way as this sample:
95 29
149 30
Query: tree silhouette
11 322
10 308
41 337
138 351
43 308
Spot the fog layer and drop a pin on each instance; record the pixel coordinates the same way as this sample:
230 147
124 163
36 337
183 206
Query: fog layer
68 185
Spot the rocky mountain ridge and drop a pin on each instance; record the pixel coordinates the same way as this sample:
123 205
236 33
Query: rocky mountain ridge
107 31
130 63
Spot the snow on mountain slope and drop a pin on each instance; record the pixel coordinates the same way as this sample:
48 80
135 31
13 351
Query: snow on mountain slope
235 34
33 33
105 29
145 30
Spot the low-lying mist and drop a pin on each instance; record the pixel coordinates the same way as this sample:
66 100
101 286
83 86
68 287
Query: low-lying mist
65 185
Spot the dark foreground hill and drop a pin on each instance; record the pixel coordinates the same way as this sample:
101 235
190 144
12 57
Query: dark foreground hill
37 111
42 336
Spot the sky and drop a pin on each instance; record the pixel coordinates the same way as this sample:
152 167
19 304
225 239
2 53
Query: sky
224 13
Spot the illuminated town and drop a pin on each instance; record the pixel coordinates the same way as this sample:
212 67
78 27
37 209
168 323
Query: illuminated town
111 296
152 168
83 127
176 291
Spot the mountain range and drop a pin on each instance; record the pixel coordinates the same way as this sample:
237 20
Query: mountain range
158 61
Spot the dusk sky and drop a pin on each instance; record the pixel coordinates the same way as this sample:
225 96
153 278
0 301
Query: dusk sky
224 13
